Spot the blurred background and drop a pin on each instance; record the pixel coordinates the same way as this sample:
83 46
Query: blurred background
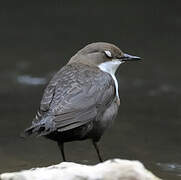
38 37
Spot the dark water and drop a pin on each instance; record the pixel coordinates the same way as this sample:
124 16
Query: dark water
37 38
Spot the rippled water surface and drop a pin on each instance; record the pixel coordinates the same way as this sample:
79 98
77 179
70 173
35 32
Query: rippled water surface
38 38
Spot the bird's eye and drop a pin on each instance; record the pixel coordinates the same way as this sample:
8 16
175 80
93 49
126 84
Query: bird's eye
108 54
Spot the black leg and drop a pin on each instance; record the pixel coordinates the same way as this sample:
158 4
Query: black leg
97 150
61 147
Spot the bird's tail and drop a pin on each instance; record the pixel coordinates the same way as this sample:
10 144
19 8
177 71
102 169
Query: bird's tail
33 130
41 128
29 131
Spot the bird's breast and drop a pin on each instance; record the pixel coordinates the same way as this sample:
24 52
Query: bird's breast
107 118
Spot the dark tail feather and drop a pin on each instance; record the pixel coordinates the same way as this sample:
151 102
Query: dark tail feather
33 130
27 132
41 128
37 130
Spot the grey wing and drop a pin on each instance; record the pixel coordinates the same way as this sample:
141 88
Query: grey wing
78 100
45 102
47 98
83 105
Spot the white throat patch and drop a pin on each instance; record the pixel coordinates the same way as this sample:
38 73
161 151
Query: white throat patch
111 67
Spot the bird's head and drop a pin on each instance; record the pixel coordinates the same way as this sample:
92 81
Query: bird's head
106 56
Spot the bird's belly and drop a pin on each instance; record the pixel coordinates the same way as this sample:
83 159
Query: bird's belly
104 122
108 116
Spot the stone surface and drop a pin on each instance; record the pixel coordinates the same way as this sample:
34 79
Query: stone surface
115 169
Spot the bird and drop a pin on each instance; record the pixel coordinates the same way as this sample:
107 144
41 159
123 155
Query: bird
82 99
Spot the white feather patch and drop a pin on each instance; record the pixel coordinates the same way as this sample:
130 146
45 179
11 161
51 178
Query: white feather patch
108 53
111 67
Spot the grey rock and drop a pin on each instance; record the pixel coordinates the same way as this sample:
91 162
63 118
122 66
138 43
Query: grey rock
115 169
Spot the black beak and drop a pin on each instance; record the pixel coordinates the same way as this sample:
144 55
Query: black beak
128 57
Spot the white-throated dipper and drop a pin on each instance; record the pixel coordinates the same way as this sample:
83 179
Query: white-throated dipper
81 101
